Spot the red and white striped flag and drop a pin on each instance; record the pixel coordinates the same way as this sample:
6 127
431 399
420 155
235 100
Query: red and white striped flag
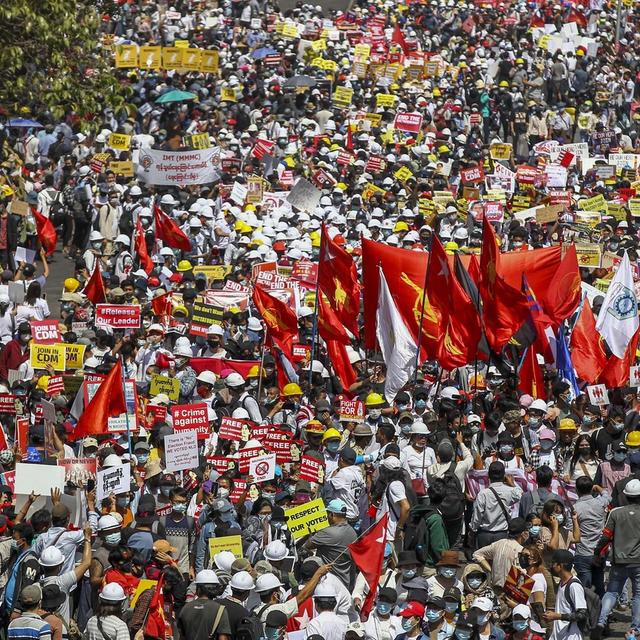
566 158
262 148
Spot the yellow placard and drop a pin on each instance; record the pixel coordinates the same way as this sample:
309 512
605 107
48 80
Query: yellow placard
360 69
403 174
48 354
319 45
589 218
119 141
212 271
181 44
342 97
290 31
227 94
617 210
371 190
589 255
74 355
172 58
150 57
126 56
362 51
209 62
198 141
191 59
122 168
306 518
385 100
143 585
597 203
226 543
543 43
500 151
634 206
329 65
374 118
166 385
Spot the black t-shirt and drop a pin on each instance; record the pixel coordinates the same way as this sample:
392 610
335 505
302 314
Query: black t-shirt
197 617
235 613
604 442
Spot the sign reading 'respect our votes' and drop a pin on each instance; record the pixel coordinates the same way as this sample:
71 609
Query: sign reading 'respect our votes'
306 518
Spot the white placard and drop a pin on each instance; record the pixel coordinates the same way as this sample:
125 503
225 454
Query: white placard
598 394
181 450
304 196
112 480
41 479
634 376
263 468
22 254
176 168
48 411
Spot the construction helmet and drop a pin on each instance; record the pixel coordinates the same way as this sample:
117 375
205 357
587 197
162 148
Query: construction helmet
291 389
184 265
374 400
71 285
330 434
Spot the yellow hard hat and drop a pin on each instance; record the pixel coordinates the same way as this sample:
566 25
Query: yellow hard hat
238 225
7 191
291 389
180 308
519 61
250 207
374 400
443 148
567 424
184 265
314 426
451 246
436 92
400 226
330 434
254 371
71 285
503 84
633 439
315 242
43 383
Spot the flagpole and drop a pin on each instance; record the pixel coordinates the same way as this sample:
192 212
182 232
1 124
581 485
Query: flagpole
314 335
364 533
424 297
261 368
126 410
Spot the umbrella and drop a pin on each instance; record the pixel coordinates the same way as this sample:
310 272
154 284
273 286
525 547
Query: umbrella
175 95
263 52
23 123
300 81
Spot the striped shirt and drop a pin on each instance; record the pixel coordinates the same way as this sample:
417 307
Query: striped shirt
113 628
29 626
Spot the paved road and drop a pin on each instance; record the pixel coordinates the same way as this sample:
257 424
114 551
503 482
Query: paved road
59 269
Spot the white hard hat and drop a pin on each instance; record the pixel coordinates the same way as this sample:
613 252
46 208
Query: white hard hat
267 582
166 251
123 239
51 557
95 236
538 405
108 521
112 460
234 380
224 560
135 190
242 581
215 330
305 312
419 428
240 414
168 199
182 350
325 590
449 393
275 550
208 377
253 324
207 576
112 592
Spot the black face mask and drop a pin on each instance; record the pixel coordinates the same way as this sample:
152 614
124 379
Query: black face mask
214 344
524 561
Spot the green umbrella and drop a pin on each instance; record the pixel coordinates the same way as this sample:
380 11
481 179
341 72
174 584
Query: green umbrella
175 95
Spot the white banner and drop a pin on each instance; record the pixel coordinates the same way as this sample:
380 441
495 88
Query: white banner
177 168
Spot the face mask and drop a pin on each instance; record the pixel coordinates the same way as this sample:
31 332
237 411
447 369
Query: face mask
482 619
408 573
384 608
278 525
222 493
96 246
180 508
271 633
265 517
618 426
463 635
474 583
421 404
546 445
433 615
165 491
333 447
408 624
142 458
524 561
534 422
585 453
202 391
113 538
534 531
403 407
14 545
587 420
270 497
374 414
560 518
451 607
406 429
122 502
520 625
447 572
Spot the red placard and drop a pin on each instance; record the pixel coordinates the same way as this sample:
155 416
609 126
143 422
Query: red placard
118 316
244 455
311 469
8 403
305 271
260 432
344 158
156 413
279 442
187 417
474 175
238 489
55 385
526 174
45 331
301 352
351 411
231 428
22 433
410 122
221 464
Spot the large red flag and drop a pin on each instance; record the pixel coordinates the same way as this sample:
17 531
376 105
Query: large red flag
504 308
169 232
531 380
163 305
46 232
587 346
367 553
338 280
541 322
94 289
561 297
141 248
616 371
280 318
398 38
108 401
336 339
458 318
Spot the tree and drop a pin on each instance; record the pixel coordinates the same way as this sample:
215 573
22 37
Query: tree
51 58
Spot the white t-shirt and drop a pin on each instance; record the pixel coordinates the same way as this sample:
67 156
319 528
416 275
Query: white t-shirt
563 630
539 586
394 492
348 485
328 625
417 462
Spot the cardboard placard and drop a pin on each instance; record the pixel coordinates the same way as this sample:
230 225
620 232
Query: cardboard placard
598 394
231 428
312 470
113 480
351 411
306 518
263 468
78 471
74 355
47 478
118 316
43 355
226 543
191 417
181 450
45 331
164 384
518 585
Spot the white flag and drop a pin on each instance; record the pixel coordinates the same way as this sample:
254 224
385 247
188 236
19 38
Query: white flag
398 346
618 317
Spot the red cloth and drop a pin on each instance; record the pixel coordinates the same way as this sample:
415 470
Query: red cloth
46 232
141 248
11 357
280 319
587 346
94 289
169 232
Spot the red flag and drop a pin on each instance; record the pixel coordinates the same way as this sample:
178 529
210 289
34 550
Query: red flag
398 38
156 622
587 346
162 305
262 148
108 401
280 318
46 232
531 380
541 322
458 318
338 280
561 297
504 308
368 553
169 232
536 21
94 289
565 158
141 248
616 371
577 17
336 339
349 144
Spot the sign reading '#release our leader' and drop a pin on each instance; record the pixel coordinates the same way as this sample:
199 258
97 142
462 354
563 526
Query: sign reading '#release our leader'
118 316
159 167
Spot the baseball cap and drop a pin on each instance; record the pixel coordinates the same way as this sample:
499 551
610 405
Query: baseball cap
337 506
413 609
482 603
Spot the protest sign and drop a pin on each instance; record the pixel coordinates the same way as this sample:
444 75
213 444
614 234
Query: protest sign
191 417
22 433
181 450
351 411
226 543
45 331
222 464
473 175
588 255
598 394
55 385
203 316
74 355
176 168
342 97
42 483
263 468
545 215
8 403
409 122
304 196
634 376
122 168
155 413
48 410
518 585
311 469
113 480
44 355
164 384
118 316
500 151
231 428
279 441
198 141
78 471
245 455
119 141
306 518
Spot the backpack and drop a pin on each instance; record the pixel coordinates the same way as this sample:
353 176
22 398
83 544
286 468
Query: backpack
416 532
57 210
537 505
14 583
452 506
250 627
593 605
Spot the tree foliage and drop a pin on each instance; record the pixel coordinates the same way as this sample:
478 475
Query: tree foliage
51 59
